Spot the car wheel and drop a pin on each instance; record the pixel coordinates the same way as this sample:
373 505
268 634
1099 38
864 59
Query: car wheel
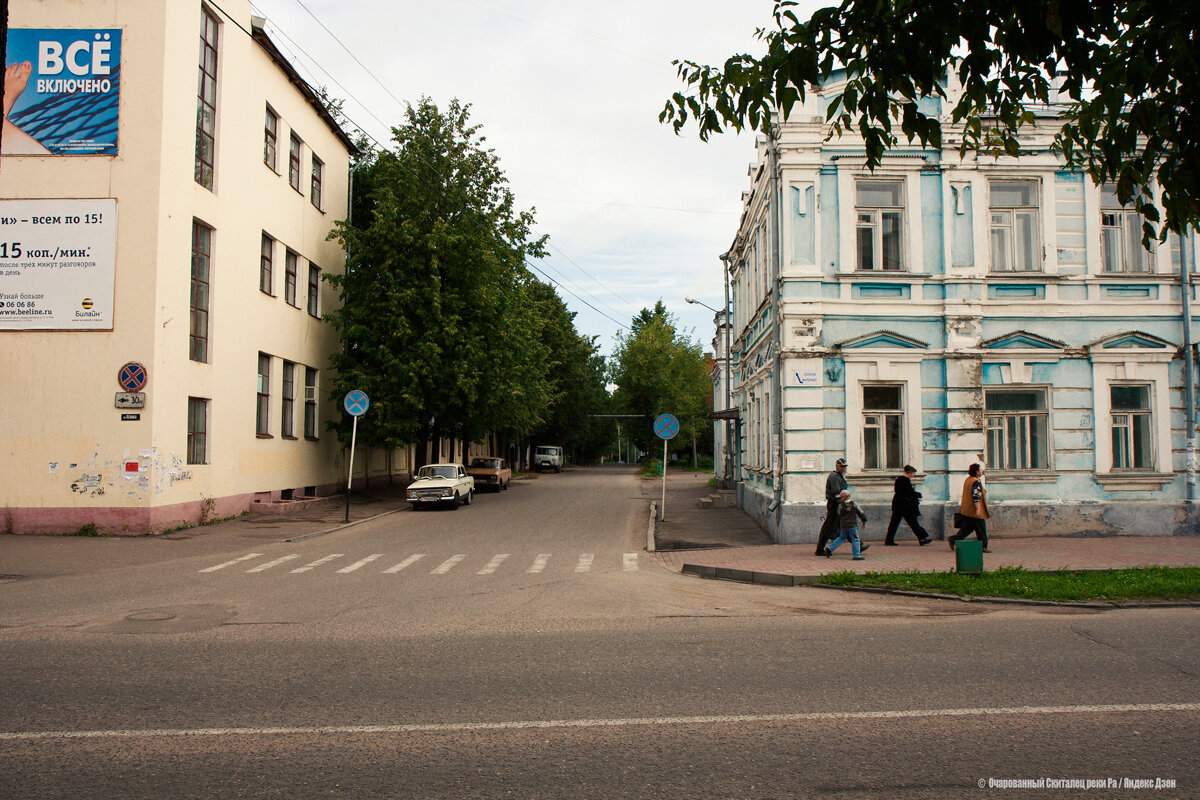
454 502
504 486
470 497
557 470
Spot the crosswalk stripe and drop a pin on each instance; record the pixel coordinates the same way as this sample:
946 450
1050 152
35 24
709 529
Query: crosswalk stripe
360 563
585 562
631 562
275 563
448 564
492 565
408 562
231 563
539 563
318 562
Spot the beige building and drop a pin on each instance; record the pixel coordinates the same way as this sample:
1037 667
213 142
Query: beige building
161 268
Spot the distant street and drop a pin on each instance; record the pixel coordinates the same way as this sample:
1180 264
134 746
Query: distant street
527 646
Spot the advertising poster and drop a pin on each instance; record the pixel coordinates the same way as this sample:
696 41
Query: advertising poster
62 91
57 264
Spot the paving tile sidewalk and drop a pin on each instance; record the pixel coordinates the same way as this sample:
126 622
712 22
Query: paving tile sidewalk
729 540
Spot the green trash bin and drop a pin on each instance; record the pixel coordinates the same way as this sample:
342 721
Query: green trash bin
968 556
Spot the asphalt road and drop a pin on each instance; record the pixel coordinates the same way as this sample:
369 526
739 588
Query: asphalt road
547 662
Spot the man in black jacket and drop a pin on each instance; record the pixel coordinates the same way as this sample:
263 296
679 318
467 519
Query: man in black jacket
834 485
906 506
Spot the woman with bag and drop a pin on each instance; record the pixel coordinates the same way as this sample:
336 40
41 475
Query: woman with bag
973 509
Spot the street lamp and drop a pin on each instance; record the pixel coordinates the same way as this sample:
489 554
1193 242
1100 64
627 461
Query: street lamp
728 324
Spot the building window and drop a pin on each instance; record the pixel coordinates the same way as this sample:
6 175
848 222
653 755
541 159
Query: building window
271 139
201 276
262 423
310 403
1015 231
206 100
197 433
288 410
294 162
1017 424
1120 235
266 280
883 426
290 265
314 289
318 176
879 206
1131 438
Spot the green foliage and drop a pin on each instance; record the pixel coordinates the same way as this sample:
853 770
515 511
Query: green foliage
88 529
576 377
1128 67
1114 586
443 324
651 467
658 370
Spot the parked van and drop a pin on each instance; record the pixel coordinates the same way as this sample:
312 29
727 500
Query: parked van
549 457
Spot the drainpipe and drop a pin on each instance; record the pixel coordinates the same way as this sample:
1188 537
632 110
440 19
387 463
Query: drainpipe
776 410
1188 364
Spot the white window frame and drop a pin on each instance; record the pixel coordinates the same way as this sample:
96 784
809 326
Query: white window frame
1121 225
1001 425
1124 419
882 420
1007 220
871 217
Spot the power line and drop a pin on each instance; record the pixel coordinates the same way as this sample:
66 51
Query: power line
435 189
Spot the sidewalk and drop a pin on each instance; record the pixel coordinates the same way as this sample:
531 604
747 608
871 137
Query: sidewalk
725 543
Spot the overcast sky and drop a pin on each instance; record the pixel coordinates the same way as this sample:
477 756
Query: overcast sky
568 94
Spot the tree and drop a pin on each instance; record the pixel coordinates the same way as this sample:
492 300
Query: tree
577 383
657 370
436 315
1128 66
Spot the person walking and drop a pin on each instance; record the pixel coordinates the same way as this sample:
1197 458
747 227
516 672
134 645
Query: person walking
906 505
834 485
848 515
973 508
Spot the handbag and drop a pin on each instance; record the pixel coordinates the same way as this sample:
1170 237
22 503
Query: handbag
960 520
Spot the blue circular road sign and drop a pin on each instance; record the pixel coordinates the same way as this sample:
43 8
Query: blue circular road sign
666 426
132 377
356 403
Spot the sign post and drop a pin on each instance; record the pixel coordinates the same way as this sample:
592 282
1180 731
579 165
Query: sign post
356 404
666 427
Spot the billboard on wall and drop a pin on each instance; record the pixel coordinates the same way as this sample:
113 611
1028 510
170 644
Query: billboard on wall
62 91
57 264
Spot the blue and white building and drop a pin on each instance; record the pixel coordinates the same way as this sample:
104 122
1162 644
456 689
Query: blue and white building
940 311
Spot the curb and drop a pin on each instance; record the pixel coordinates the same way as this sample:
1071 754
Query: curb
777 579
343 526
1011 601
650 546
747 576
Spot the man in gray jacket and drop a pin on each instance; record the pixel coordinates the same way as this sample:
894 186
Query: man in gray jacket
834 485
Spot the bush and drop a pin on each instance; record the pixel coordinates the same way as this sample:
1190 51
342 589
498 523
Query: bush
651 468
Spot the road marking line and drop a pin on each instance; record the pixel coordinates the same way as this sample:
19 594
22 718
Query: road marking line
231 563
448 564
275 563
733 719
539 563
318 562
494 564
408 562
585 562
631 562
360 563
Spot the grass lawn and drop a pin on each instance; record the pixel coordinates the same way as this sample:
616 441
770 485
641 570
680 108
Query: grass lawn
1113 586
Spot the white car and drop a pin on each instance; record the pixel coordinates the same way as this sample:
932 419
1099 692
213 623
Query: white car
548 457
441 484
